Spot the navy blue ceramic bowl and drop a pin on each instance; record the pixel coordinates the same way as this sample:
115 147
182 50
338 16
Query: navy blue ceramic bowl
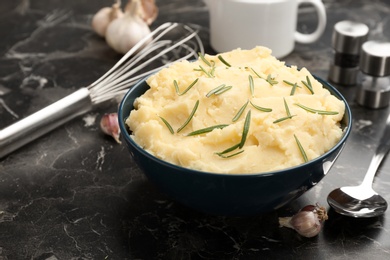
230 194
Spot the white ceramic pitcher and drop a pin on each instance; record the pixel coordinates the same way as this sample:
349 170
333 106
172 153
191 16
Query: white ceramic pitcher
270 23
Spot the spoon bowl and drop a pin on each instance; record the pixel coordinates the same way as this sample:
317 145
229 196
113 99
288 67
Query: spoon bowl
362 201
353 202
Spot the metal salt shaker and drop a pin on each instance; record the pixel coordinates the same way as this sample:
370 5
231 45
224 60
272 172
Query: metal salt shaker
347 39
374 91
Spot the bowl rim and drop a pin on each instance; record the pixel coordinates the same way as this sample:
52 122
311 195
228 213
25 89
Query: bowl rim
346 131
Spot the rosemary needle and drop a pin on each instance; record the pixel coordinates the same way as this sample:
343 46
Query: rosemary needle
224 61
245 129
294 86
316 111
282 119
251 85
202 57
218 90
223 154
286 107
239 113
230 149
271 80
301 149
308 85
186 90
168 125
264 109
190 117
230 155
207 129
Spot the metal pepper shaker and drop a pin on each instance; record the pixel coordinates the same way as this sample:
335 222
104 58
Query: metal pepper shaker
374 91
347 39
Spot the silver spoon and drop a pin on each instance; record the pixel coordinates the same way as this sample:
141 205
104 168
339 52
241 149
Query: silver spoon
362 201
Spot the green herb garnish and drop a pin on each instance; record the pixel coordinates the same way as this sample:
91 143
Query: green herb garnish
230 155
294 86
316 111
223 61
245 129
271 80
301 149
256 73
264 109
190 117
289 116
239 113
308 84
228 150
209 74
286 107
207 129
168 125
204 59
186 90
218 90
282 119
251 85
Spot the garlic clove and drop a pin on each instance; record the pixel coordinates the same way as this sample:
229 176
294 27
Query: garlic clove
110 126
125 32
104 17
148 11
307 222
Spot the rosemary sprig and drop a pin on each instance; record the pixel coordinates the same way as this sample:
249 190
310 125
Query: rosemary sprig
209 74
230 155
202 57
251 85
264 109
294 86
223 61
257 74
282 119
286 107
289 116
271 80
189 118
223 90
308 85
186 90
168 125
207 129
316 111
239 113
303 153
218 90
245 130
230 149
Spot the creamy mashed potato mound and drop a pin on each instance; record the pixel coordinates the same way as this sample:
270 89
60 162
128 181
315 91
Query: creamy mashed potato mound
265 139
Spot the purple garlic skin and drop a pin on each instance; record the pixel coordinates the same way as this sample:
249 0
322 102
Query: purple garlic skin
307 222
110 126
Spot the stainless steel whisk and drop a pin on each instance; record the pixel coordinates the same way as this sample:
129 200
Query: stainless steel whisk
157 46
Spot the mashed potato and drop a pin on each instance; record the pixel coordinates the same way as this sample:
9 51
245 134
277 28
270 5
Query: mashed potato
253 114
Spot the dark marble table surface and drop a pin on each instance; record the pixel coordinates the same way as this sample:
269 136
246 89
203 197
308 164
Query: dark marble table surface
76 194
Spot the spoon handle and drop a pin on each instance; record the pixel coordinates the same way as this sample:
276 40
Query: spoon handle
381 151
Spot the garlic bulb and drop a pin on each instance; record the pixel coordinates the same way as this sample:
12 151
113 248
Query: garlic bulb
123 33
110 126
307 222
105 16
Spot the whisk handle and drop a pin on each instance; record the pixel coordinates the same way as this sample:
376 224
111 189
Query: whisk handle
44 120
